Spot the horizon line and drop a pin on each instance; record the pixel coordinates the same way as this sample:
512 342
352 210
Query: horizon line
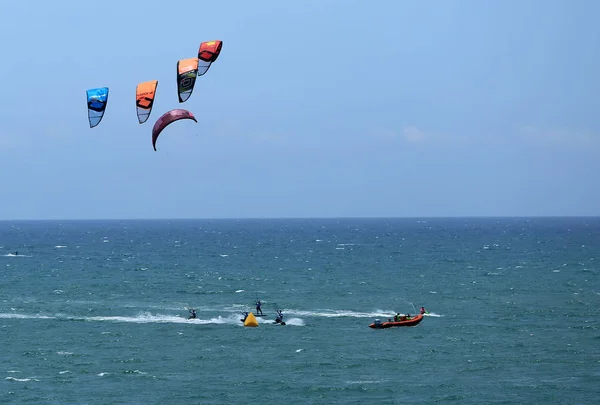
302 218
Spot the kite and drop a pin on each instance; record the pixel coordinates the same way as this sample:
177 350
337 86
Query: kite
187 69
144 99
168 118
96 102
208 53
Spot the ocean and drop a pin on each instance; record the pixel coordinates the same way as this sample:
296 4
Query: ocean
96 312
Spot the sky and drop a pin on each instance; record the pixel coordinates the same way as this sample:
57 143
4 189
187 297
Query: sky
315 108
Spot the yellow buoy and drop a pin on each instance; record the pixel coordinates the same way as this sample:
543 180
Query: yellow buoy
251 320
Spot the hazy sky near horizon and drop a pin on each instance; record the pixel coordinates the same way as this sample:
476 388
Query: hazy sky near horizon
313 109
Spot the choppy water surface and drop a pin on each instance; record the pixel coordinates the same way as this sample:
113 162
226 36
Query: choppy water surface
95 312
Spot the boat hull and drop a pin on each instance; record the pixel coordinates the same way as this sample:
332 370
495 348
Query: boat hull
385 325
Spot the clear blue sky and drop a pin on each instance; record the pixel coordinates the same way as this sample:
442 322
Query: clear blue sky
315 108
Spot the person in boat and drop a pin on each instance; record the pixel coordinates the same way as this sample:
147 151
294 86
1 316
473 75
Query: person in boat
423 311
258 308
192 314
279 318
397 317
407 317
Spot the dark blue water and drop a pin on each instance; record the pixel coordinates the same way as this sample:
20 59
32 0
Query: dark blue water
95 312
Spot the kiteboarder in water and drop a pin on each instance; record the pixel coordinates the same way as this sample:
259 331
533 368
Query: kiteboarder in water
193 314
258 308
279 318
245 313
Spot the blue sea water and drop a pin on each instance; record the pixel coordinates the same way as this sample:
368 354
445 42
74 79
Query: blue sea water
95 312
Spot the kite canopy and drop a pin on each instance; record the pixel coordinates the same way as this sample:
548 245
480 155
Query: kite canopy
208 53
187 69
96 101
144 99
168 118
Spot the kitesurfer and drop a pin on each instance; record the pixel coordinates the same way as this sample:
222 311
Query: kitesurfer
245 313
279 318
258 308
193 314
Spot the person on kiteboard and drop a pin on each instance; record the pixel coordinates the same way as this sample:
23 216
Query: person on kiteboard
245 313
193 314
279 318
258 308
